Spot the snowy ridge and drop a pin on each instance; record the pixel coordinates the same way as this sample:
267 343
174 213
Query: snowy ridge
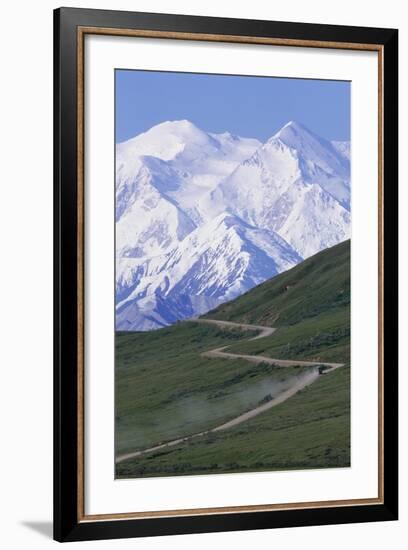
202 218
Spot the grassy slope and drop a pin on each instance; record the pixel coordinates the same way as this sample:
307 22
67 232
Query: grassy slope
317 285
165 389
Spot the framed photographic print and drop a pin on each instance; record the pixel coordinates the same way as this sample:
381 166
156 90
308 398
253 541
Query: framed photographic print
225 274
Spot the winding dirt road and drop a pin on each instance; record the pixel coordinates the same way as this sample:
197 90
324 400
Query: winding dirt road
262 332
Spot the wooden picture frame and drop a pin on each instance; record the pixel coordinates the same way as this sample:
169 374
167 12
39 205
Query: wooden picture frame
71 26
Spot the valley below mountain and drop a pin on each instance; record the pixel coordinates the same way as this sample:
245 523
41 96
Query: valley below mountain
260 383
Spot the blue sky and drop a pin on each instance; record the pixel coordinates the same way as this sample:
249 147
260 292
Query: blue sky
246 106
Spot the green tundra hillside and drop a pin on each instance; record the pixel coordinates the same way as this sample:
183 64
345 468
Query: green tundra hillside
317 285
168 386
309 304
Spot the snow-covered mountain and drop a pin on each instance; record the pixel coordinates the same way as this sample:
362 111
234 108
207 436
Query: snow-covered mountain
202 218
184 163
296 184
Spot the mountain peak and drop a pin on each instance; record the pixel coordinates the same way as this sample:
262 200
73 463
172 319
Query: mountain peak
293 124
182 124
184 132
291 130
182 128
165 140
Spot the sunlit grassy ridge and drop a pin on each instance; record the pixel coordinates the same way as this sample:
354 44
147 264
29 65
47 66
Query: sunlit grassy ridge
319 284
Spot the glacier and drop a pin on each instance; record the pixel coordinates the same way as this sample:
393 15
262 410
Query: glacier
202 217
